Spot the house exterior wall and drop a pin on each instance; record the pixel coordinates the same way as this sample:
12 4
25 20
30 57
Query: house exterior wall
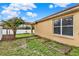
45 29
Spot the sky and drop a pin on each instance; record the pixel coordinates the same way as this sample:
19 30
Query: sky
31 12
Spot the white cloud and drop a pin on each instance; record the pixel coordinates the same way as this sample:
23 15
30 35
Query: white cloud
10 13
24 18
31 14
58 4
61 4
13 10
20 6
51 6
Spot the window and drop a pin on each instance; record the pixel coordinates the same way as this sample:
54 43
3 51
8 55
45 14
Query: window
57 30
57 22
67 21
57 26
64 26
67 31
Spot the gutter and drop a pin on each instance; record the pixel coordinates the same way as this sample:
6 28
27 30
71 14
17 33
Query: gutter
66 11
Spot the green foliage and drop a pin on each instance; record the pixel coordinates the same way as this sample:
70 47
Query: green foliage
74 52
28 27
13 23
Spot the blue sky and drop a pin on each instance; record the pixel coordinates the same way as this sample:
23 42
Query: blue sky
31 12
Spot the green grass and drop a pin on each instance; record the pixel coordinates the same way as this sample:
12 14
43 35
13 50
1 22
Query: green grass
40 48
74 52
35 46
23 35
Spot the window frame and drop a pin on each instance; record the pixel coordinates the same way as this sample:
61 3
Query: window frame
56 26
61 26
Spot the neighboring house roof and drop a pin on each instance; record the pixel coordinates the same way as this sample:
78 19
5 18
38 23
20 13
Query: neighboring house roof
28 23
66 11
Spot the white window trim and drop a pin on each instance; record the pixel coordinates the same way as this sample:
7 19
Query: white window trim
61 26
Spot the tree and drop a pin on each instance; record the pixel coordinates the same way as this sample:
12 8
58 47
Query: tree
32 28
13 24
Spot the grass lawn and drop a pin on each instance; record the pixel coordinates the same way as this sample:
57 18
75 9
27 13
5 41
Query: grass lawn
23 35
32 46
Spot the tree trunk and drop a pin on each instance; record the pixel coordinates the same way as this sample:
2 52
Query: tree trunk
14 33
31 29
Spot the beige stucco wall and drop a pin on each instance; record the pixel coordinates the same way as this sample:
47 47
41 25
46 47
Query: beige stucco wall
45 29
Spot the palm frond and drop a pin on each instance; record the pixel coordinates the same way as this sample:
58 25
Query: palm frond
7 24
13 23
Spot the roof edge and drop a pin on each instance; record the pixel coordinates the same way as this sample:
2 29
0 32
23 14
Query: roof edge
50 16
